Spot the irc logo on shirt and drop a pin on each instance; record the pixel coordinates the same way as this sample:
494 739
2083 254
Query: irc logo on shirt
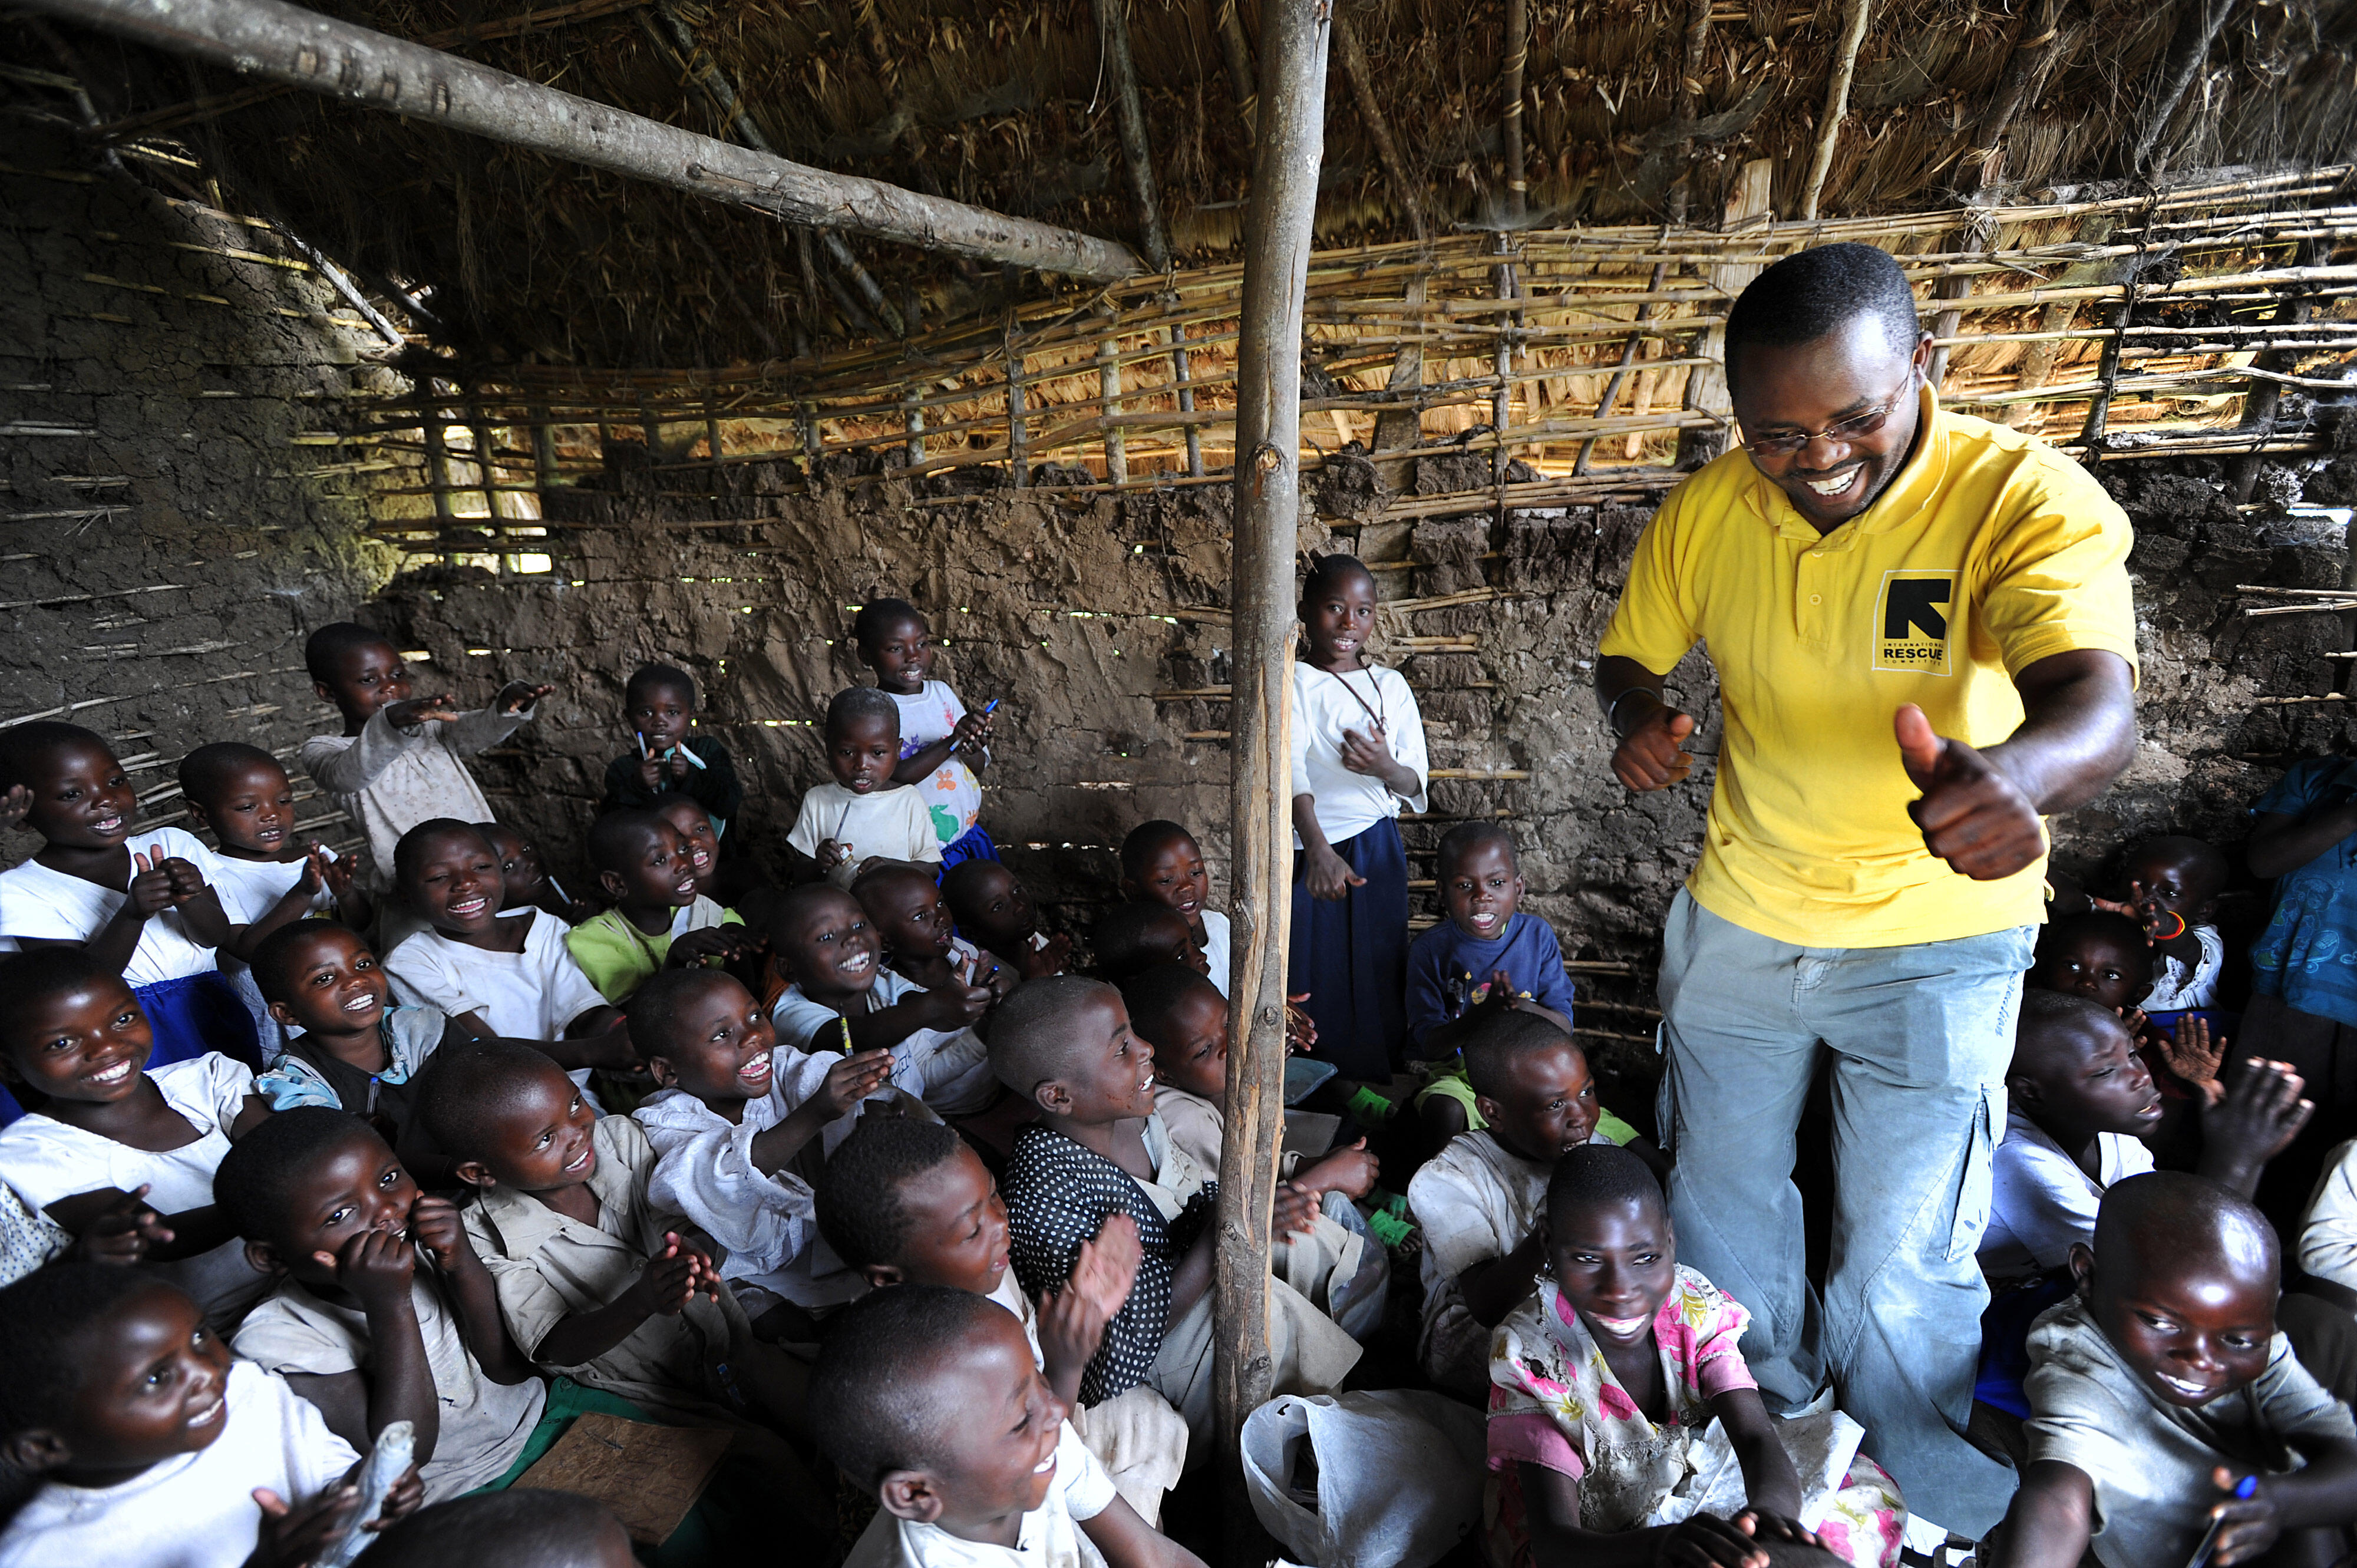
1911 622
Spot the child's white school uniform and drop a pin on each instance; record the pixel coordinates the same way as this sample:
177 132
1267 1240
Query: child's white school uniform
2176 987
2041 1201
1136 1436
951 794
484 1424
50 906
528 996
892 822
192 1510
249 889
1476 1200
389 779
1215 947
44 1160
766 1223
948 1070
1325 705
1048 1537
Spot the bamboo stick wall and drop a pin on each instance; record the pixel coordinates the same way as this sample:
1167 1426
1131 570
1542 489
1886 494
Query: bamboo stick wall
2127 323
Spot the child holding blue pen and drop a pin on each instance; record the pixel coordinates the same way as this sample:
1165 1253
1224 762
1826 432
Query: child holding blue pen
941 745
669 756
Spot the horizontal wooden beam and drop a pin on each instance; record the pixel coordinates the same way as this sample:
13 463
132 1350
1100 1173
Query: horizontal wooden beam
337 59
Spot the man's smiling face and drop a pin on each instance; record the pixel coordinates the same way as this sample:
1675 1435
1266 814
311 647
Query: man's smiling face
1829 388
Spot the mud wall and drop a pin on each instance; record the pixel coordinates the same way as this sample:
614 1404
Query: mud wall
174 516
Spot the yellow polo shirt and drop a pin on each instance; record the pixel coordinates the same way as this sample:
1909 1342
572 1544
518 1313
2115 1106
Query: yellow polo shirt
1989 551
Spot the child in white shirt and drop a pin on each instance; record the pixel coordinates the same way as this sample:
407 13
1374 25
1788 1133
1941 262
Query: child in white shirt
941 745
1162 864
864 813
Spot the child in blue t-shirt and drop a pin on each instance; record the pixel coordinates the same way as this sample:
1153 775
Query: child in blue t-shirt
1487 954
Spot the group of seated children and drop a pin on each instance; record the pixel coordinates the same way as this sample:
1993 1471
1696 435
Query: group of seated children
336 1196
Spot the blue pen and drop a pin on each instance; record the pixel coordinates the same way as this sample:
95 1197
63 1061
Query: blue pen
990 707
2245 1489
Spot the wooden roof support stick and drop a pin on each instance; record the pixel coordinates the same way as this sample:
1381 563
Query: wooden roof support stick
1019 433
339 59
1509 119
2259 403
2197 23
1856 14
1401 427
1182 377
1129 120
1117 448
1236 48
1687 108
1409 194
1706 387
2107 372
1277 244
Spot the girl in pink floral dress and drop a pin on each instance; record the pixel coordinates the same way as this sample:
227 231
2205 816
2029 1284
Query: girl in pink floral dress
1624 1427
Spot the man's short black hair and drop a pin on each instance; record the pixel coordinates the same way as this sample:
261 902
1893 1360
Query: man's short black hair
1145 841
656 1005
260 1178
874 1399
860 1211
1153 995
1812 292
1128 937
1596 1174
467 1090
276 950
658 677
619 838
205 771
859 703
23 748
522 1527
878 617
324 650
411 850
1494 1043
1466 837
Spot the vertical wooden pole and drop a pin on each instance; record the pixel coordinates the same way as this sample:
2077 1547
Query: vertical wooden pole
1182 376
1855 15
1277 241
1403 426
1116 443
1707 384
1509 124
544 448
1129 118
1018 435
1628 351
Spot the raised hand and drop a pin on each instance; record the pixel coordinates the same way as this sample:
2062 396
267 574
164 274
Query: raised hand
517 695
336 875
2194 1055
1653 755
1105 1267
1071 1327
853 1080
439 708
375 1267
2261 1113
122 1231
1972 815
15 806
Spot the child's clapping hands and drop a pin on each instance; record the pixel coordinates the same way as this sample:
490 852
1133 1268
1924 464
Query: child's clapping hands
122 1232
674 1276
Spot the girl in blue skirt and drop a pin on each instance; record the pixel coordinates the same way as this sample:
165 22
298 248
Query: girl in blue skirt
1358 757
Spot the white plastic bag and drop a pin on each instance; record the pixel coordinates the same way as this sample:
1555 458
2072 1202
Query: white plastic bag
1398 1479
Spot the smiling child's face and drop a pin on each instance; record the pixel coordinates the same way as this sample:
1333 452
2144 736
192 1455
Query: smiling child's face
2094 964
830 947
910 918
693 824
999 1464
1616 1263
862 751
251 810
662 714
82 797
1550 1106
660 876
901 655
1195 1055
1109 1076
720 1048
332 984
456 883
351 1188
1339 615
542 1139
1482 890
368 677
88 1042
153 1385
2193 1322
957 1226
522 877
1174 874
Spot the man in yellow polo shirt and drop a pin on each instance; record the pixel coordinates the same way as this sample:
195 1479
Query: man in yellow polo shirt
1925 643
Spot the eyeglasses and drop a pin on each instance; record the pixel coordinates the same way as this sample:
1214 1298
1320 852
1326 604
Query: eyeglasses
1841 430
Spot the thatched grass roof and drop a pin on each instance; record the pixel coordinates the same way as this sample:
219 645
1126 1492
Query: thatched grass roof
1005 103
